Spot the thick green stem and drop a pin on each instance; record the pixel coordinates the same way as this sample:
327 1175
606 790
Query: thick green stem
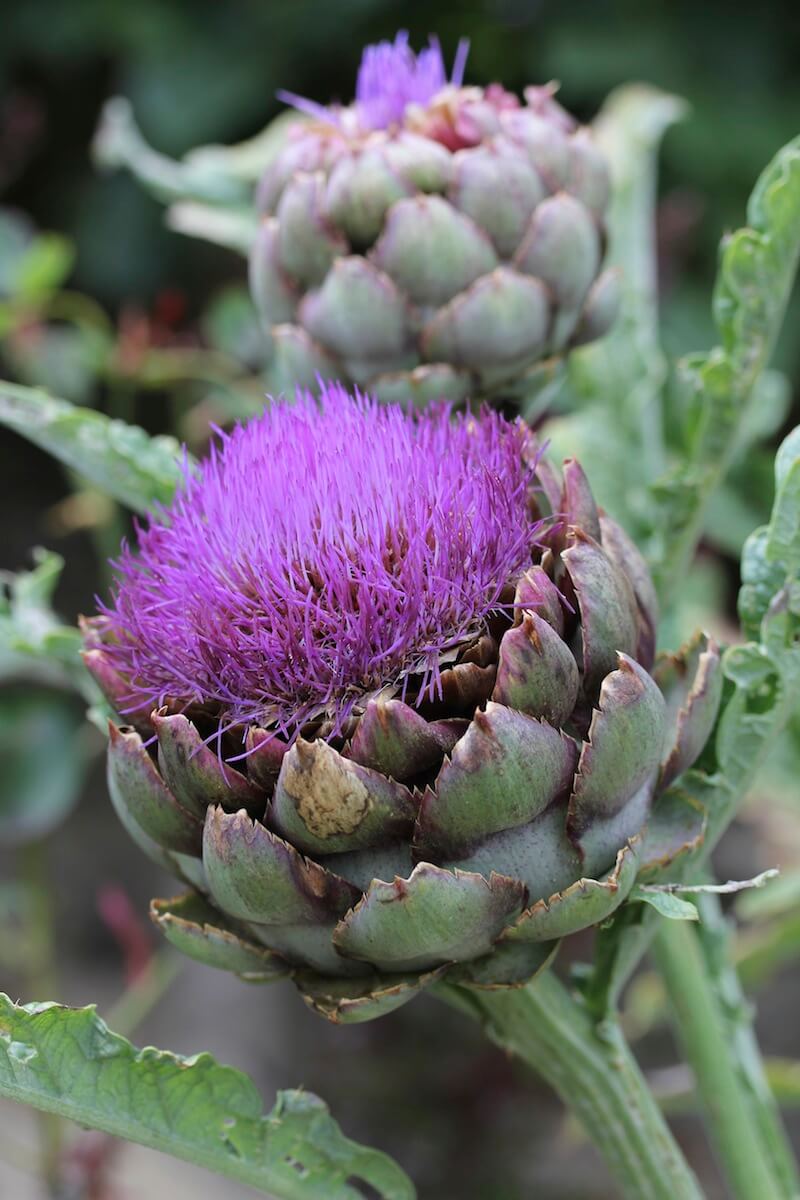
714 933
701 1029
594 1072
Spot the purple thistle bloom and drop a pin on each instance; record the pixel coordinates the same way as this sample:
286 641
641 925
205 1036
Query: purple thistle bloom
323 551
390 77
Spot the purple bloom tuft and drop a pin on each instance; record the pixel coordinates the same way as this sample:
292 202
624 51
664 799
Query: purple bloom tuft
391 76
323 551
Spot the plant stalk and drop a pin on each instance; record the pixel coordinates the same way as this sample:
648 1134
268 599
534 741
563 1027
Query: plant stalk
597 1077
701 1029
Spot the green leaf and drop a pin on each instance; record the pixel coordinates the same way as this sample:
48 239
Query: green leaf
614 386
667 904
783 543
762 696
210 191
756 273
629 130
119 143
761 579
248 160
44 267
121 460
32 265
43 739
67 1061
34 643
44 754
235 228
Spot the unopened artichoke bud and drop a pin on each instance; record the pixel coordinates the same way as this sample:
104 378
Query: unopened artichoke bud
431 239
402 722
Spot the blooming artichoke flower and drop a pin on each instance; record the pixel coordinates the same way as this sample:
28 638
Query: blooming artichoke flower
431 239
389 706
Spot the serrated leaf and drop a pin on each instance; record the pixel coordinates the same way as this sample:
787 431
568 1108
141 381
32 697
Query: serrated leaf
755 277
666 904
761 579
761 697
67 1061
120 459
783 541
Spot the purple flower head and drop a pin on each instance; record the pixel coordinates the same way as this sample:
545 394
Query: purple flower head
391 76
323 551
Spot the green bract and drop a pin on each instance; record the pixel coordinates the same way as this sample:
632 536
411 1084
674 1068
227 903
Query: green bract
459 838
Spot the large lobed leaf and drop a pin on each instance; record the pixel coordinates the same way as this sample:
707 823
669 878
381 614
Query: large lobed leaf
763 694
756 273
121 460
67 1061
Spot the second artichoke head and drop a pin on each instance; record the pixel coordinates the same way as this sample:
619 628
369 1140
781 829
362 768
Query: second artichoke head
431 239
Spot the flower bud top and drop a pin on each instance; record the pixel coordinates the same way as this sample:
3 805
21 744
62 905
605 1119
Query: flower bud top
390 77
323 551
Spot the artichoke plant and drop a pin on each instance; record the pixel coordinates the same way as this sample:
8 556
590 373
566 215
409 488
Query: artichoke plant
390 706
431 239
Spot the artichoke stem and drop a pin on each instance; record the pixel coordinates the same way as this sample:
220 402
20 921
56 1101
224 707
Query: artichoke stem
597 1077
734 1119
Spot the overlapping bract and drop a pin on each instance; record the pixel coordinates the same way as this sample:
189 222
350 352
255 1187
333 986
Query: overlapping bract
457 833
432 241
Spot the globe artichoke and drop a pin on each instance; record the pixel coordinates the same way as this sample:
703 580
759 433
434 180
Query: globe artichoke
389 705
431 239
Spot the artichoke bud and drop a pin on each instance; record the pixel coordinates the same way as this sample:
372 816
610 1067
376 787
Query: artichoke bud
483 214
403 721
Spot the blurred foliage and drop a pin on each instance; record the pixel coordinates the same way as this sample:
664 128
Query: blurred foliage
40 671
